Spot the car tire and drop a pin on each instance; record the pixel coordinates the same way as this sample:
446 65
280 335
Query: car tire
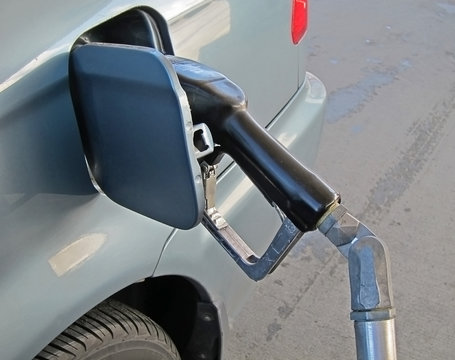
111 331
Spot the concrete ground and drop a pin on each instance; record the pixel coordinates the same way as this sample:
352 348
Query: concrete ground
388 147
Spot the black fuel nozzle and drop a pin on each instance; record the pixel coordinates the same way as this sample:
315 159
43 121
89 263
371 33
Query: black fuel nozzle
284 181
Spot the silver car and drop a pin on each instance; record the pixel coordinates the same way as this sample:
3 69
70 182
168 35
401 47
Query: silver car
83 277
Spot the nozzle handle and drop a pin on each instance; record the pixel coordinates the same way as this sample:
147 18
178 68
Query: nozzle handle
302 195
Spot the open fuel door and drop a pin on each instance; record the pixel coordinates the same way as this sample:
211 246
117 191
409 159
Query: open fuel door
137 131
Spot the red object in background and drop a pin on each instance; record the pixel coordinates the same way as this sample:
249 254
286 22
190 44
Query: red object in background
299 20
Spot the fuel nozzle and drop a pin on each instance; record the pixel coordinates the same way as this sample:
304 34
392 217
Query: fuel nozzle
285 182
305 199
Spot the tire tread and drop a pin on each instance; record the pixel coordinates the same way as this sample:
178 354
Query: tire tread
108 321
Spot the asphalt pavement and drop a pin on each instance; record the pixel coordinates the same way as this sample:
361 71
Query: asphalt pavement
388 147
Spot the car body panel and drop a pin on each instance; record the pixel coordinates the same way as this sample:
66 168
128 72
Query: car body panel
64 247
75 258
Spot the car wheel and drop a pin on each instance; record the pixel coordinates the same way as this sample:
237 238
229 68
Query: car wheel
111 331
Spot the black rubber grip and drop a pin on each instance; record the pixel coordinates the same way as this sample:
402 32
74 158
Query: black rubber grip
297 191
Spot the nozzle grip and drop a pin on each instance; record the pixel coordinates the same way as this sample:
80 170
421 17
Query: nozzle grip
298 192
